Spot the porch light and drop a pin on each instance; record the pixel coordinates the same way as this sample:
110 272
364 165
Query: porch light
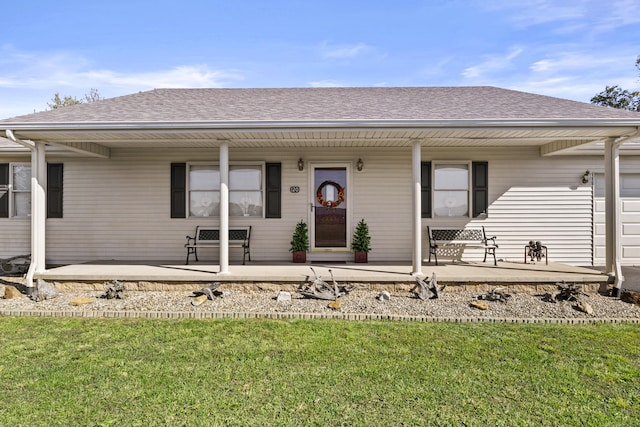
300 164
359 165
585 177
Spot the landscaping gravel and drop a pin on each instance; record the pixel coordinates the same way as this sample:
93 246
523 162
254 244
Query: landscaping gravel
452 304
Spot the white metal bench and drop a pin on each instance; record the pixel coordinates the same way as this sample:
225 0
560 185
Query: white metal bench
209 237
469 237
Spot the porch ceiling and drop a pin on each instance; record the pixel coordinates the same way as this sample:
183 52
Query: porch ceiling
324 137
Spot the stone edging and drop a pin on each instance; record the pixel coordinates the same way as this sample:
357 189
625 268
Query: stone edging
336 316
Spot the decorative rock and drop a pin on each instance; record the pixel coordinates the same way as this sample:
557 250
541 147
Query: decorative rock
480 305
384 296
11 292
283 296
335 305
631 297
80 301
583 306
44 291
199 300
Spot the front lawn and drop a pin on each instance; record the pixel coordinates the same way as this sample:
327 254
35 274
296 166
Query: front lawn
127 372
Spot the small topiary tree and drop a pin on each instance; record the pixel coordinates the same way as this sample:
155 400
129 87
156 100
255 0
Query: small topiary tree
361 241
300 242
300 238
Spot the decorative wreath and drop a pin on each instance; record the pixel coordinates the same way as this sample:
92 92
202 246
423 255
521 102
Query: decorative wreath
327 203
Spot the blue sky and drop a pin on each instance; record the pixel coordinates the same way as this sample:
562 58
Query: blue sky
565 48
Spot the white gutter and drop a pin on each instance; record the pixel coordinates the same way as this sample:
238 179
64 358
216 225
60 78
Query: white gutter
38 200
325 124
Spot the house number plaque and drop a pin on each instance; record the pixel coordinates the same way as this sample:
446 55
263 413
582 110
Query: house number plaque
294 189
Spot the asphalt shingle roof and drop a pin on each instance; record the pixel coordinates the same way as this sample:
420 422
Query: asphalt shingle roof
325 104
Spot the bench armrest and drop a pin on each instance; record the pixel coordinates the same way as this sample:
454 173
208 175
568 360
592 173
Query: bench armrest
486 241
190 241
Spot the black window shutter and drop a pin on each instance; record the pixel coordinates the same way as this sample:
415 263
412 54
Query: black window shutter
4 198
55 178
178 190
425 186
274 190
480 182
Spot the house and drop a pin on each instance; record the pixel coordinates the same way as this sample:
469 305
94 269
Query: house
128 178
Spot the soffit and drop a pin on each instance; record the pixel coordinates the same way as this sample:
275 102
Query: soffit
321 137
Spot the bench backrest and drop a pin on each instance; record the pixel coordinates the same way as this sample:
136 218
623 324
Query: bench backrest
453 234
210 234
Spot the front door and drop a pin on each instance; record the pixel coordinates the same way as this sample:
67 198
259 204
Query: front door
329 207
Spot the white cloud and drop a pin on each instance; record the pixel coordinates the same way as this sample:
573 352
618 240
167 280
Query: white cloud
344 51
59 71
620 13
327 83
492 64
579 61
569 16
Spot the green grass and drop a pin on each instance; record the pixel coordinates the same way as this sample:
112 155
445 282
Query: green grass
128 372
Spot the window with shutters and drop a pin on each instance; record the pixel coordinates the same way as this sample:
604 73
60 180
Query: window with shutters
246 190
454 189
15 190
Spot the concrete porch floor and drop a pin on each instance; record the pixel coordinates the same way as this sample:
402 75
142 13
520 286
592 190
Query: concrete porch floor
259 272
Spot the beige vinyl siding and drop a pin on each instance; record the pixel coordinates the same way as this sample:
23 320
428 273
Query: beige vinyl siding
15 237
118 208
532 198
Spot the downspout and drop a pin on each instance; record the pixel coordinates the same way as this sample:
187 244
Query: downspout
38 178
614 267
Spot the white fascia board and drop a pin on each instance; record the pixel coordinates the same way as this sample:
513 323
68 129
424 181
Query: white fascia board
631 124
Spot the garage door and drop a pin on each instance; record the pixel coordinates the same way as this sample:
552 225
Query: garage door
629 218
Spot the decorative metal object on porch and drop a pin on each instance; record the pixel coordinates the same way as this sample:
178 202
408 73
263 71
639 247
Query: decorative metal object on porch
535 251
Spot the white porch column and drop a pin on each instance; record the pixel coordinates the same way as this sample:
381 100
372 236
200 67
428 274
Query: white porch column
224 207
612 211
38 211
417 208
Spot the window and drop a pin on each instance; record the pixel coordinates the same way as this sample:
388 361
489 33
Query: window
20 190
629 185
450 190
15 190
245 190
454 189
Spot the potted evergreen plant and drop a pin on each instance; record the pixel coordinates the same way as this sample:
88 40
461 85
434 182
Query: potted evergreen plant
300 242
361 242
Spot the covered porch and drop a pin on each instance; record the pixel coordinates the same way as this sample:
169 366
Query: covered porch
170 276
